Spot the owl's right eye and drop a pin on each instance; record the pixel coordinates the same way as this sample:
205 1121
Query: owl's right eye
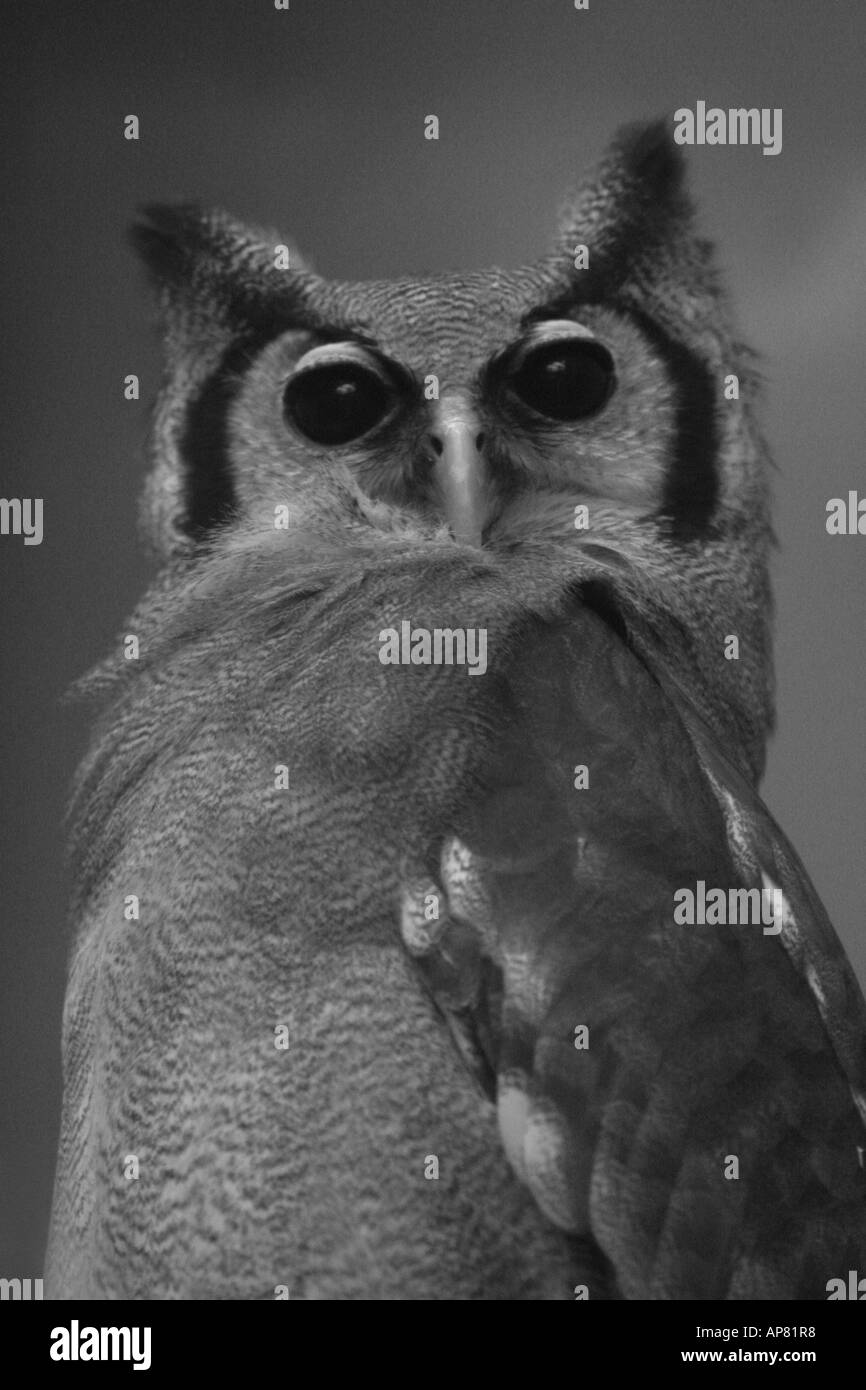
565 381
336 400
560 371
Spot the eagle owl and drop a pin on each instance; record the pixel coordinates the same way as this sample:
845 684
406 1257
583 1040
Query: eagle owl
451 694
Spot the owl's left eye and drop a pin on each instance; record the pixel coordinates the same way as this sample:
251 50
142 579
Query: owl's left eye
337 401
564 379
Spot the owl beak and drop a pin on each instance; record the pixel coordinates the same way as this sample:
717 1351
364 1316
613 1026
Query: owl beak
460 473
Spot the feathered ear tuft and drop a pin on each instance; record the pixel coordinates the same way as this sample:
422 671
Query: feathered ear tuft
632 206
649 162
193 252
165 238
225 290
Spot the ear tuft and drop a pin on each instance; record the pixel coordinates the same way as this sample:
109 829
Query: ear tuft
167 238
650 159
633 203
223 297
184 245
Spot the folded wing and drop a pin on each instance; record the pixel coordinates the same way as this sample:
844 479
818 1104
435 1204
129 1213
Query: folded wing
688 1095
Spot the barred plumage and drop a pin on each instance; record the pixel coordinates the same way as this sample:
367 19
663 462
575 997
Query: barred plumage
432 907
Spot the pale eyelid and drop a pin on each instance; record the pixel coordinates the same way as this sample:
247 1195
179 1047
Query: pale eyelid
332 354
549 330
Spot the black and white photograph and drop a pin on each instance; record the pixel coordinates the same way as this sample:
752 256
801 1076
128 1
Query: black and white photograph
434 648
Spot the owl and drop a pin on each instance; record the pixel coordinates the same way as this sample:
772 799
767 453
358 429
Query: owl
430 939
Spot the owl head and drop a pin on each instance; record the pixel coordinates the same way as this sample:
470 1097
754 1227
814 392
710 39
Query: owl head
587 418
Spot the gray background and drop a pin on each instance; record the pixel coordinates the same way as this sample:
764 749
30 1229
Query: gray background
313 120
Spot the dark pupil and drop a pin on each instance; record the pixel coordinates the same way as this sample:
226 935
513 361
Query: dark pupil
335 404
565 381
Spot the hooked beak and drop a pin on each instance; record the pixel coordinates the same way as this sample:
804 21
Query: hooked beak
460 471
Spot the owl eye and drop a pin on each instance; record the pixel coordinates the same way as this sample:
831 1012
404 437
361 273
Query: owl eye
336 402
565 379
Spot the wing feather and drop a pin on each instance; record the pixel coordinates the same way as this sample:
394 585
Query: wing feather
679 1094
